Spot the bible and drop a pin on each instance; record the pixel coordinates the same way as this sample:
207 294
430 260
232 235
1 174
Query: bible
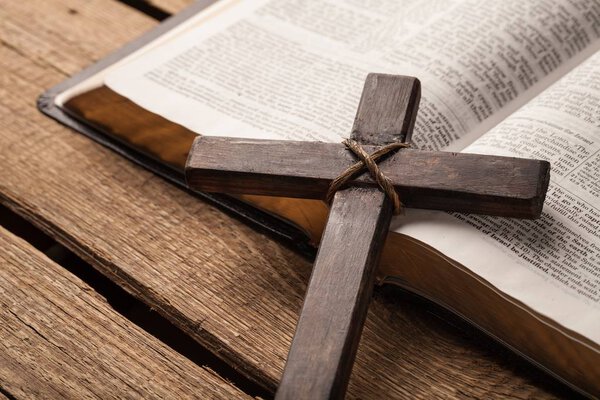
509 78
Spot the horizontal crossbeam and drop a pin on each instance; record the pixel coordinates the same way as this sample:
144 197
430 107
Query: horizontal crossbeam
484 184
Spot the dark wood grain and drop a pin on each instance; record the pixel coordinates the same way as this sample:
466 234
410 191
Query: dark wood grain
495 185
338 296
387 109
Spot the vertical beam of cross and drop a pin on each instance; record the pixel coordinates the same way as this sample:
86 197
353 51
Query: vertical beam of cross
335 307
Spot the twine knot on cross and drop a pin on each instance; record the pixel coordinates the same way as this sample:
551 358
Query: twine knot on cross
368 162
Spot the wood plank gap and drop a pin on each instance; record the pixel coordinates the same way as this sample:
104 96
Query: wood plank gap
6 395
145 294
149 9
126 304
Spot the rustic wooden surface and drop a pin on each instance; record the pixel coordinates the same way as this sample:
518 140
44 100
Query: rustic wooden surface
227 286
59 339
335 306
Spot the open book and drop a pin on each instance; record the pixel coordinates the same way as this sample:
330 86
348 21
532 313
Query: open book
516 78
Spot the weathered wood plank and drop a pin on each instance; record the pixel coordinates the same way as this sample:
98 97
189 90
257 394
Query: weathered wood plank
387 110
335 307
340 289
495 185
60 339
227 286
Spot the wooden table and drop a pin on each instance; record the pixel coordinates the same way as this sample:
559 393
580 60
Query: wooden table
224 297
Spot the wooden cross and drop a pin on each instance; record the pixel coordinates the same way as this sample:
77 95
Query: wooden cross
324 346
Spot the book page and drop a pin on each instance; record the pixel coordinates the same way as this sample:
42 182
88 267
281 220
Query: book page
288 69
97 79
551 264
